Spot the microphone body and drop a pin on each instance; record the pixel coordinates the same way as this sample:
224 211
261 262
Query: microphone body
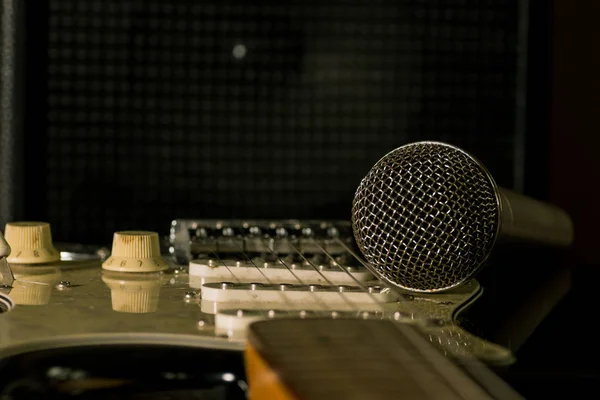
531 220
427 216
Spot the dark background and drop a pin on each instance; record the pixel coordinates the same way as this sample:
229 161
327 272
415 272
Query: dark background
125 114
137 112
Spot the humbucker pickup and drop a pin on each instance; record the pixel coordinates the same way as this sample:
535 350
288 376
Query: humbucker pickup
191 237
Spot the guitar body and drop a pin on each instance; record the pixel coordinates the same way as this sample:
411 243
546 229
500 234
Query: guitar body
206 305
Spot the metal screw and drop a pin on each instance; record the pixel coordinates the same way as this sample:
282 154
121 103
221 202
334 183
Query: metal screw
240 313
103 253
254 286
189 295
314 288
271 313
374 289
281 232
63 285
284 286
398 316
436 322
332 232
202 233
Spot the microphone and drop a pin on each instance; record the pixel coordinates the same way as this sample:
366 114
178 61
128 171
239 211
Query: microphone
427 216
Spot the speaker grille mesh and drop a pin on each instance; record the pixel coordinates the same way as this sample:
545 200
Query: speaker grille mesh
158 110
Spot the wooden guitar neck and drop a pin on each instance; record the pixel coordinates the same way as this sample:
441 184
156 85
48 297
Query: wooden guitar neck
319 359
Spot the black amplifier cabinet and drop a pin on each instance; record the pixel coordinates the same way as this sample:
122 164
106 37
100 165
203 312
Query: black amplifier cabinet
131 113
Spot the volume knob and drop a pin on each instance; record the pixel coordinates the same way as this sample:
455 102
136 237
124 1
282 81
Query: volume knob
135 251
30 243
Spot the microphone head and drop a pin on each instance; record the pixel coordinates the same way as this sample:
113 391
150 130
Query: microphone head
426 216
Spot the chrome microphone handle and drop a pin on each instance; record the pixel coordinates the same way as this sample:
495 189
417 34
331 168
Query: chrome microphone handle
526 219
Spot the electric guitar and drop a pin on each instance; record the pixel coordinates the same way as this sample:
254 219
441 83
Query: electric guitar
180 316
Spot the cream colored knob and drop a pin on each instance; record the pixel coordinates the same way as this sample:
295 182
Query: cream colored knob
134 293
30 243
135 251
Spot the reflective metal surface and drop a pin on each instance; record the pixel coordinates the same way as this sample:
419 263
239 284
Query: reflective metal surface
93 310
102 307
426 216
77 303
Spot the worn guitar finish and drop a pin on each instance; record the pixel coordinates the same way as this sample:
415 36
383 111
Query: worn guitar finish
231 274
70 303
74 303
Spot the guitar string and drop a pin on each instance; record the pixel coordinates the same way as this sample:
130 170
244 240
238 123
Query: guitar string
350 252
315 294
215 253
441 333
291 308
382 305
336 263
259 309
289 242
474 367
344 296
352 306
322 304
222 261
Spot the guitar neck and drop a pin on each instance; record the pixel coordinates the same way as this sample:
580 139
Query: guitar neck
319 359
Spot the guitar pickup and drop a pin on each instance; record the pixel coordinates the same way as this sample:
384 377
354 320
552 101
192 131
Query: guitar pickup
218 296
233 323
208 270
190 237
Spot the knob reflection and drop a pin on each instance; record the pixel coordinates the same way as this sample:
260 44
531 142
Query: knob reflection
33 284
134 292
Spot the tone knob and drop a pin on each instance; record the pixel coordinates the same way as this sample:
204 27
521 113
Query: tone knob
135 251
30 243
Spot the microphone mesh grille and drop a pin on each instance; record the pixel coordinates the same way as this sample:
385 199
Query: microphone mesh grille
426 216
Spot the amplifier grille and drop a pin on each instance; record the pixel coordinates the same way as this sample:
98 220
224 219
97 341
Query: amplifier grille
156 110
